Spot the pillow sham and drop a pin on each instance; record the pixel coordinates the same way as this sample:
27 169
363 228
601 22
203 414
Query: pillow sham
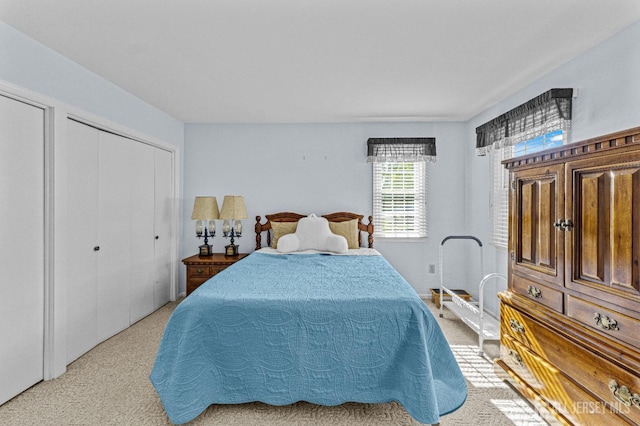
348 229
279 229
313 233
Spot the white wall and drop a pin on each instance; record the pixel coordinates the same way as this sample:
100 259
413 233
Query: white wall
607 78
33 66
320 168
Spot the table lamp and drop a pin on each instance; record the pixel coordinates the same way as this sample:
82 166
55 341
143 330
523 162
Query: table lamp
234 210
205 211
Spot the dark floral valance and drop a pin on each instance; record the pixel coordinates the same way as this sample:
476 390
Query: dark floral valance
401 150
543 114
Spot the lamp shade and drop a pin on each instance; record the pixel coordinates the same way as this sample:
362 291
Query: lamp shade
233 208
205 208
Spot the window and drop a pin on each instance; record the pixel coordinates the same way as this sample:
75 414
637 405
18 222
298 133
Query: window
548 140
400 184
399 199
500 199
540 123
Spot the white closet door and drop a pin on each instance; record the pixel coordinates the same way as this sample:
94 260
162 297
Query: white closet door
21 246
78 259
114 226
142 230
163 226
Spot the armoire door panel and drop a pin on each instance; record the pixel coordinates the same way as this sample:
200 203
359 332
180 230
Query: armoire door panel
625 229
539 205
546 256
527 223
590 226
604 204
22 275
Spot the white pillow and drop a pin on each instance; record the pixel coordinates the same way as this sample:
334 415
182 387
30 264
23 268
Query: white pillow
313 233
288 243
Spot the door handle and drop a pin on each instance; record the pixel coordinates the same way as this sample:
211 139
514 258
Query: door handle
567 225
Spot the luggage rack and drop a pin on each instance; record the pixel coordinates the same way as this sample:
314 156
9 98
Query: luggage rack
470 312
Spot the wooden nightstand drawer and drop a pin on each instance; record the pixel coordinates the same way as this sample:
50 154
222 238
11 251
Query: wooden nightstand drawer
194 283
201 268
217 268
198 271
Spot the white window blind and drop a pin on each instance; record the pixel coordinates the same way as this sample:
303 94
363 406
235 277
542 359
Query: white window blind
400 199
500 199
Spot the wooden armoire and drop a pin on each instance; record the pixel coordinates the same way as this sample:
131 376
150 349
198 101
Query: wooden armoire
570 318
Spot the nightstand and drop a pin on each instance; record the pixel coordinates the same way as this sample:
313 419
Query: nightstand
201 268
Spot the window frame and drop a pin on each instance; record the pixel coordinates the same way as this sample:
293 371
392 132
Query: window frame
395 223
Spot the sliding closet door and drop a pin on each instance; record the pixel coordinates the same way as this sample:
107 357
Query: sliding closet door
163 226
77 260
114 233
22 129
142 230
115 238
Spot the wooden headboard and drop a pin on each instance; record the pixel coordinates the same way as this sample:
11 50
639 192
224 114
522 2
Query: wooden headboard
294 217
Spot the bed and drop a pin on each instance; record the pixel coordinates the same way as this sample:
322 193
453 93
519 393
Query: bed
307 326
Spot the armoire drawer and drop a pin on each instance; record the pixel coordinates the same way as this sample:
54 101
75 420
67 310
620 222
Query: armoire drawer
520 327
587 368
573 403
603 378
614 324
545 295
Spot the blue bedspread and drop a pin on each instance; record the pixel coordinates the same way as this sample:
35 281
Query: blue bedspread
317 328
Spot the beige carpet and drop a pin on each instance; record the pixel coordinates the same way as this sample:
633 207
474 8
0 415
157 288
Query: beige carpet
110 386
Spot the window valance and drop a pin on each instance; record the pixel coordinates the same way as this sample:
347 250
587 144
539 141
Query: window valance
543 114
401 150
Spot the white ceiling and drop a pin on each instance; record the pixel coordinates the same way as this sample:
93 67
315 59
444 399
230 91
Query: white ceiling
287 61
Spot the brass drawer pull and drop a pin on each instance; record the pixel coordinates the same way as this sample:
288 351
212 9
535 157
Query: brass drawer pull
516 326
605 322
199 271
623 394
515 356
534 292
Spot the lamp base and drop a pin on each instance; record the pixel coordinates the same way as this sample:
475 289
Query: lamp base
206 250
231 250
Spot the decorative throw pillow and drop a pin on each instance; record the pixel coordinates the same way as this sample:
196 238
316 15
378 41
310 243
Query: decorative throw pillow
313 233
279 229
348 229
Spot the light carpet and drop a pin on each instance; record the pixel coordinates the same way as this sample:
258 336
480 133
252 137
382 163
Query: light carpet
110 385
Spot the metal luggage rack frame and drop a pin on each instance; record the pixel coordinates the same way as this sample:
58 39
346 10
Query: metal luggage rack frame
471 313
